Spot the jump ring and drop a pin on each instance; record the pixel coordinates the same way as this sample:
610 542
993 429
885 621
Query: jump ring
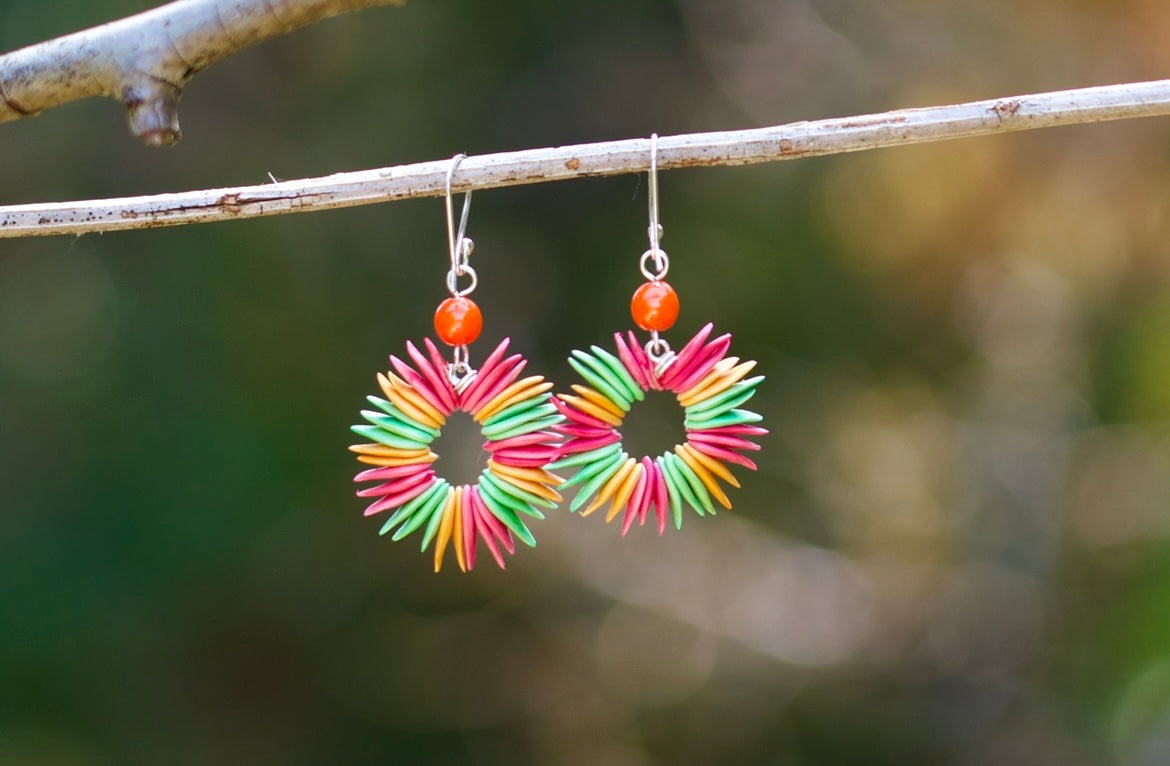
460 372
657 349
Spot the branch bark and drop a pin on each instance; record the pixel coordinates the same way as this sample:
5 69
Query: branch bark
741 147
145 60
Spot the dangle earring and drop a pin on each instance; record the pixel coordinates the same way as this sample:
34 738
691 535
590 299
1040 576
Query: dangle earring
516 416
710 386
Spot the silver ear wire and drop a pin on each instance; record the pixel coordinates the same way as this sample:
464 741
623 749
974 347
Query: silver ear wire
459 245
657 348
459 372
661 259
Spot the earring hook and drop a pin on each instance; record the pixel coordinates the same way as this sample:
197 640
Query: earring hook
657 349
661 259
459 245
459 372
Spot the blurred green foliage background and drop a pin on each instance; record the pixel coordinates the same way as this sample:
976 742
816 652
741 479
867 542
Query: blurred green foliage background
955 551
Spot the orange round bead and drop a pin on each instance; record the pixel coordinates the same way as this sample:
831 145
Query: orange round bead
458 321
654 306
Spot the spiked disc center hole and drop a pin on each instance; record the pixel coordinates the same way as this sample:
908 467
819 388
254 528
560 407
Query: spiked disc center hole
653 426
460 449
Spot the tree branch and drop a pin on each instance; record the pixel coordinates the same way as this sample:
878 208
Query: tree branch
145 60
741 147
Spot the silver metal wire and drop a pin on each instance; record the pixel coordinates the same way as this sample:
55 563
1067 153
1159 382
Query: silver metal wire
661 259
459 245
657 348
661 265
460 372
660 353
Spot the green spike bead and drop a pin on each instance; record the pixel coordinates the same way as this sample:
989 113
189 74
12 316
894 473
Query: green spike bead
538 405
401 416
672 492
614 365
696 484
590 487
403 513
501 425
424 512
601 384
720 409
583 458
385 437
433 524
525 428
729 399
733 418
672 461
594 468
397 427
508 517
526 502
488 487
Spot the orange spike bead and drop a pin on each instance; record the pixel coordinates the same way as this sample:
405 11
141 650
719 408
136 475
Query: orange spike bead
458 321
654 306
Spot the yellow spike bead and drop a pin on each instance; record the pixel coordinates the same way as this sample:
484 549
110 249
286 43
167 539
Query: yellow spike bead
600 399
540 490
720 368
444 535
399 399
381 450
704 476
417 399
733 376
538 475
712 465
513 394
623 494
457 527
391 462
589 408
523 395
535 487
610 488
725 381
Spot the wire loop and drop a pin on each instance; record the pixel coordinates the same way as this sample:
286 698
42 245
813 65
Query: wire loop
660 353
661 265
460 246
453 277
460 372
654 263
654 230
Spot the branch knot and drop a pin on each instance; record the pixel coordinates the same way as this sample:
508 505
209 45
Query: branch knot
152 110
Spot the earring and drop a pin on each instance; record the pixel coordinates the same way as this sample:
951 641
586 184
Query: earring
709 385
515 414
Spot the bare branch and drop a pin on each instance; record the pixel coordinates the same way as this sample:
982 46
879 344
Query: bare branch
144 61
741 147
